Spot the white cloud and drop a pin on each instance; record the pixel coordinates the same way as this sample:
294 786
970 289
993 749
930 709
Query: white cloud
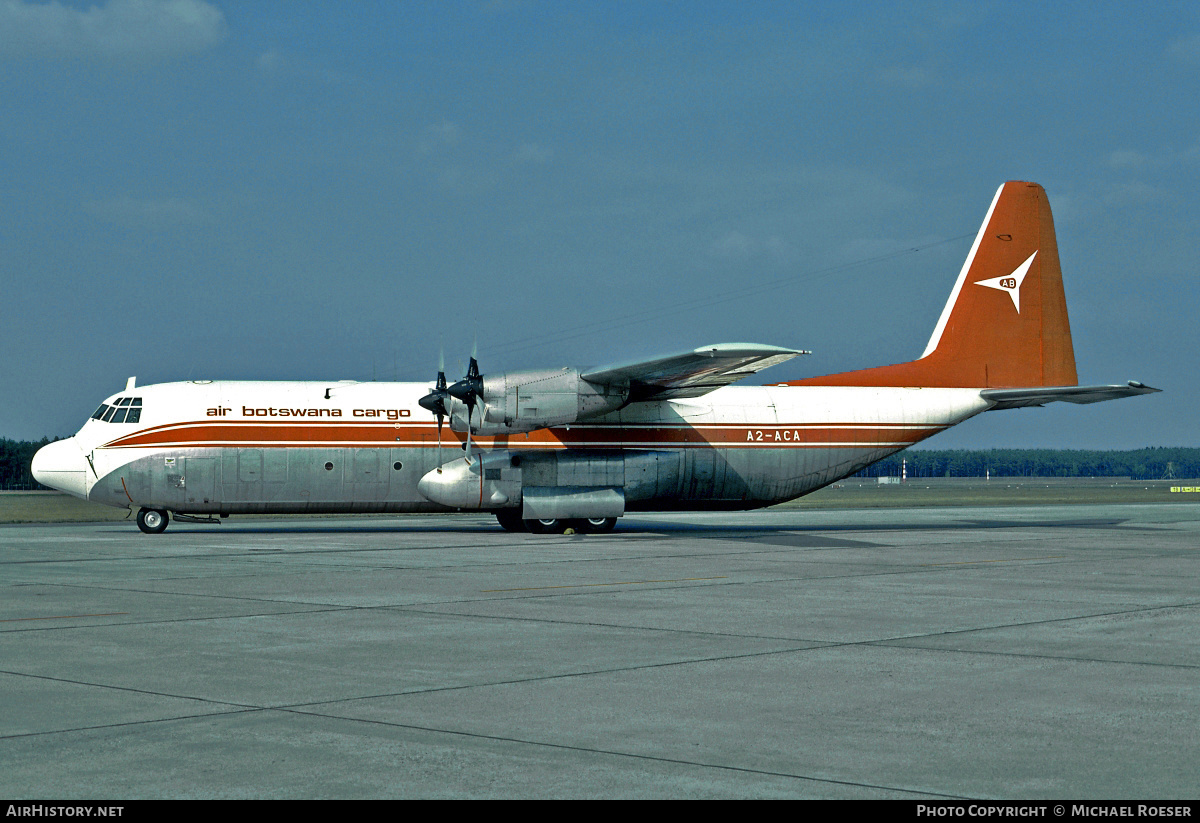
436 138
275 64
1132 195
534 153
1185 50
1127 159
151 213
1130 159
135 29
907 77
735 245
270 61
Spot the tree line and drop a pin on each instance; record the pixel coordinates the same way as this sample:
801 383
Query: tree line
1140 464
15 457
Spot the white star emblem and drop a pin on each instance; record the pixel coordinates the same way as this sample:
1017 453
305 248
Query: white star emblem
1011 283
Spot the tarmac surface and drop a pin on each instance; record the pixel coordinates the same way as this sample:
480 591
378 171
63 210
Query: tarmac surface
1015 653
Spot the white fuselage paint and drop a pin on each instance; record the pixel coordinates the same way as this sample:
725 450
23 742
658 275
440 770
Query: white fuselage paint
227 447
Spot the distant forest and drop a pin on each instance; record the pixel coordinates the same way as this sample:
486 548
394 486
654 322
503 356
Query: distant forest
15 457
1140 464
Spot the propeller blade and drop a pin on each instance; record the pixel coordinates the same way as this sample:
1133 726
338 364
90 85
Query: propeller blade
469 391
435 401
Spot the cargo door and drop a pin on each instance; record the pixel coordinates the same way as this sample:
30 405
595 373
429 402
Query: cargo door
199 483
368 478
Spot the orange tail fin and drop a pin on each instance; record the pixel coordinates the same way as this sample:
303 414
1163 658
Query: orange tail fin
1005 325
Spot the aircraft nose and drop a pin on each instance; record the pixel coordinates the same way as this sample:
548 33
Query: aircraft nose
61 465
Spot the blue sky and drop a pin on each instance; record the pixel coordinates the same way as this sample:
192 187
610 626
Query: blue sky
335 190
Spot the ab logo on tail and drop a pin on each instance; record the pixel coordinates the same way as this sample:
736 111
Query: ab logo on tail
1011 283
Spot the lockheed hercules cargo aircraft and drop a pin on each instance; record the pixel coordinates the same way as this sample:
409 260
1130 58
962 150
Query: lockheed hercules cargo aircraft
547 449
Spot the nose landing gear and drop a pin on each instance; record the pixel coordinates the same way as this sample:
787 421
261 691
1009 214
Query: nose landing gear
152 521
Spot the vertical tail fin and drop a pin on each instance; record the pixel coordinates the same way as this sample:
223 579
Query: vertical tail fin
1005 324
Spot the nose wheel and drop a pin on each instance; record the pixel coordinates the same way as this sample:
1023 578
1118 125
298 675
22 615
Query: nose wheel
152 521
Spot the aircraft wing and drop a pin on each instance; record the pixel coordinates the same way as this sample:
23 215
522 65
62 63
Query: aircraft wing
1021 398
691 373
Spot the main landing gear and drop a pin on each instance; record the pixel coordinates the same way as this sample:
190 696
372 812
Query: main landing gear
152 521
510 520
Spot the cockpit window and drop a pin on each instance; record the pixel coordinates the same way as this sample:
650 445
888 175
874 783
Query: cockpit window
122 410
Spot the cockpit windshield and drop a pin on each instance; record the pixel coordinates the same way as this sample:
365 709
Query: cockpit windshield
122 410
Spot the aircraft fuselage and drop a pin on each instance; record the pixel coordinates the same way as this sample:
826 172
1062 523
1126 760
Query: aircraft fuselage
245 447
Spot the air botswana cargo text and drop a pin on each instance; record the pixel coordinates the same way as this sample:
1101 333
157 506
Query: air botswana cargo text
273 411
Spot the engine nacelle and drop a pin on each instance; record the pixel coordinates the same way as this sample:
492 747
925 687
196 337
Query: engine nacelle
524 401
490 481
549 485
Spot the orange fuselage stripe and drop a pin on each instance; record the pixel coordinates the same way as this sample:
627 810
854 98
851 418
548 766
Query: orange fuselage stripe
417 435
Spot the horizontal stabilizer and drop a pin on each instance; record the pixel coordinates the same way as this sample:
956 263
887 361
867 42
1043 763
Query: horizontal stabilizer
1021 398
692 373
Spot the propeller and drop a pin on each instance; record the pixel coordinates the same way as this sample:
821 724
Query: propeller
435 401
469 390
